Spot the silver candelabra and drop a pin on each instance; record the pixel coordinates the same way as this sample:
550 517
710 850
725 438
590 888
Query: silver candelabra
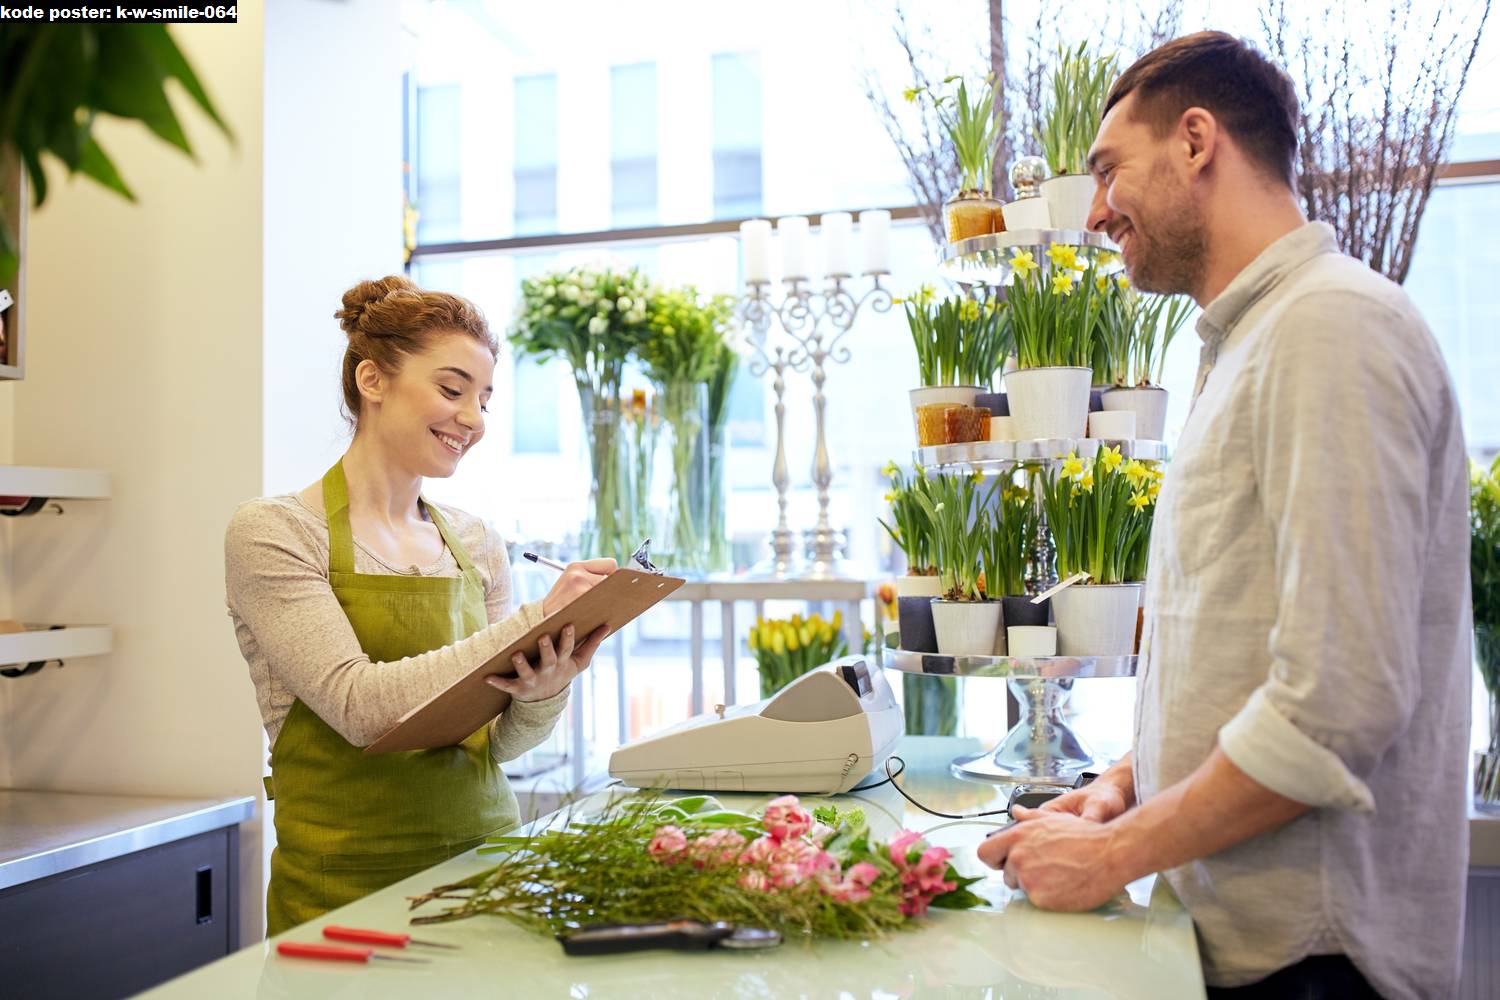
804 316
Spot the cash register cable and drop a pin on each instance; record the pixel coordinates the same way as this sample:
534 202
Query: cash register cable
890 779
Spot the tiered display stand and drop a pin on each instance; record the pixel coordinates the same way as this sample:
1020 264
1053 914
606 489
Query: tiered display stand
1040 747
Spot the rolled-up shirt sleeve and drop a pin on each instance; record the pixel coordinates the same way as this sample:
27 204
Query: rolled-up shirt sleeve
1342 421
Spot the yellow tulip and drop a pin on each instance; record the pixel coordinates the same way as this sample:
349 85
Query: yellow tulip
778 644
751 641
838 619
805 634
791 639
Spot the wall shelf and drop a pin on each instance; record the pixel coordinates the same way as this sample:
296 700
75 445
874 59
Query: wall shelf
53 483
42 642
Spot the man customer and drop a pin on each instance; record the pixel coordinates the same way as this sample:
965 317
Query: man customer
1302 717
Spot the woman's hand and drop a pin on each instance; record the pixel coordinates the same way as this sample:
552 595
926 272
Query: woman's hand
578 579
555 667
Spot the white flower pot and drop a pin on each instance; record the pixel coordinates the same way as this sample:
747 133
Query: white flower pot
1069 199
1149 402
1049 402
1032 640
1027 213
962 395
1096 620
919 586
1112 425
966 628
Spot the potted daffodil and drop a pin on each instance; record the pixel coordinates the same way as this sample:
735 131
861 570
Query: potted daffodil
961 342
911 531
1008 528
1052 307
1079 84
965 623
1100 515
1135 331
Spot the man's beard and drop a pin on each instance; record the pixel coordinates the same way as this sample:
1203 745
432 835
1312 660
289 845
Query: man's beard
1171 254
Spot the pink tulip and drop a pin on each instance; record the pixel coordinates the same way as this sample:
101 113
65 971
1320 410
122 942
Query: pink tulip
668 843
784 819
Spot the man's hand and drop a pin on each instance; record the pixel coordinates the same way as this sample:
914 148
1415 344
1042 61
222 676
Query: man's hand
578 579
1062 861
1100 801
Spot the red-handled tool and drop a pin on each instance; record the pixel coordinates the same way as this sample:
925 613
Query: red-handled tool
385 939
335 953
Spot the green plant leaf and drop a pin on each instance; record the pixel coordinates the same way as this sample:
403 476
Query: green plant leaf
175 65
129 84
95 163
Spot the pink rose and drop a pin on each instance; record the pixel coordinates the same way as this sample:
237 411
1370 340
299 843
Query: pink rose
786 820
720 847
668 843
759 853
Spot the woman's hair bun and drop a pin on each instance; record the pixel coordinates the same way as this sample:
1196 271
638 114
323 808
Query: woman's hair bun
362 296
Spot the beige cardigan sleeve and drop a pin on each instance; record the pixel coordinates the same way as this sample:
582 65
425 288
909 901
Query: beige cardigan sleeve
278 589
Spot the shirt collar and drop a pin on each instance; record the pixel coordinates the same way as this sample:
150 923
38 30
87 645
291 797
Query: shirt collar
1261 275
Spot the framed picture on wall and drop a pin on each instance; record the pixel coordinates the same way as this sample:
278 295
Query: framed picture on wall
12 312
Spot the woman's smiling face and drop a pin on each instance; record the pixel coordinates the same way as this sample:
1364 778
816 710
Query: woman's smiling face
431 412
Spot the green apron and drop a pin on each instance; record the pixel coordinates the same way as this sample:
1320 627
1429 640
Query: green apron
348 824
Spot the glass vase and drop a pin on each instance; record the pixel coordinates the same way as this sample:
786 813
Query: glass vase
642 429
720 550
607 532
930 705
684 408
969 213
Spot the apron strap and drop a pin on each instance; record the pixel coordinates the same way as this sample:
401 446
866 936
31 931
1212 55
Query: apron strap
336 508
460 556
341 535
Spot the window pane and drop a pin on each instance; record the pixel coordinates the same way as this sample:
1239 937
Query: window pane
633 145
536 155
736 135
437 166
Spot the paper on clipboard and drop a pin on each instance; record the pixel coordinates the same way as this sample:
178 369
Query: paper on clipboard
453 715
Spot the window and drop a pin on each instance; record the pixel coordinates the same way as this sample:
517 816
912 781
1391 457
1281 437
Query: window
535 168
436 165
633 145
736 135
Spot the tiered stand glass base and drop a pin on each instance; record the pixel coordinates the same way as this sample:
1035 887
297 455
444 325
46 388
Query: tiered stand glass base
1041 746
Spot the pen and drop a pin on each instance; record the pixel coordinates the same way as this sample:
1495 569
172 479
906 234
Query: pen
544 561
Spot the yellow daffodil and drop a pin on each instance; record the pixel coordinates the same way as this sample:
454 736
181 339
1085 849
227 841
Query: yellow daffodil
1062 283
1155 471
1111 458
1022 262
1087 482
925 295
890 470
1101 282
1072 466
1062 255
910 94
970 311
1153 490
1136 473
976 477
1107 259
1123 282
1139 501
892 497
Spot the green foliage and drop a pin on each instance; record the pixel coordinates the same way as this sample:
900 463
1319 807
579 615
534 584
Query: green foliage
688 333
912 531
1074 107
953 507
959 341
1008 529
1135 330
56 79
972 126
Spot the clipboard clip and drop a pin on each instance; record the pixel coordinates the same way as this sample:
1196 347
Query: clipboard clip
642 558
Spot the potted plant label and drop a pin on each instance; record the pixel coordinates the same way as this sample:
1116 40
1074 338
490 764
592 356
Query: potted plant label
1052 307
964 621
1069 122
1100 515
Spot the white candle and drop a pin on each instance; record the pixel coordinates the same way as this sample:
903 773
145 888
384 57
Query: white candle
875 232
838 233
755 238
793 230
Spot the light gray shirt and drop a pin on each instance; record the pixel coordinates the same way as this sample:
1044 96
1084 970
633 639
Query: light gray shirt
298 643
1308 610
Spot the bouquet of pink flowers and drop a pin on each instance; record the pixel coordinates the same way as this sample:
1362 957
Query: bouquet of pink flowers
817 873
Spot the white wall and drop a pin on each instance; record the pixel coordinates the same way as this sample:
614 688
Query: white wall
144 359
332 210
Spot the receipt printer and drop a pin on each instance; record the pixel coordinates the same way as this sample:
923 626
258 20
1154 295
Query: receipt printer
821 734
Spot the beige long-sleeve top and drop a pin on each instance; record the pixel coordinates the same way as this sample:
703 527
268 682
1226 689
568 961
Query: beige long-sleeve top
1308 611
298 643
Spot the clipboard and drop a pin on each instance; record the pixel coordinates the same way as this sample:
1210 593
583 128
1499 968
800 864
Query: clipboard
453 715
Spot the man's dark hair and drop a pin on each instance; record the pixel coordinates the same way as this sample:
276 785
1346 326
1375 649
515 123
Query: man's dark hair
1250 96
